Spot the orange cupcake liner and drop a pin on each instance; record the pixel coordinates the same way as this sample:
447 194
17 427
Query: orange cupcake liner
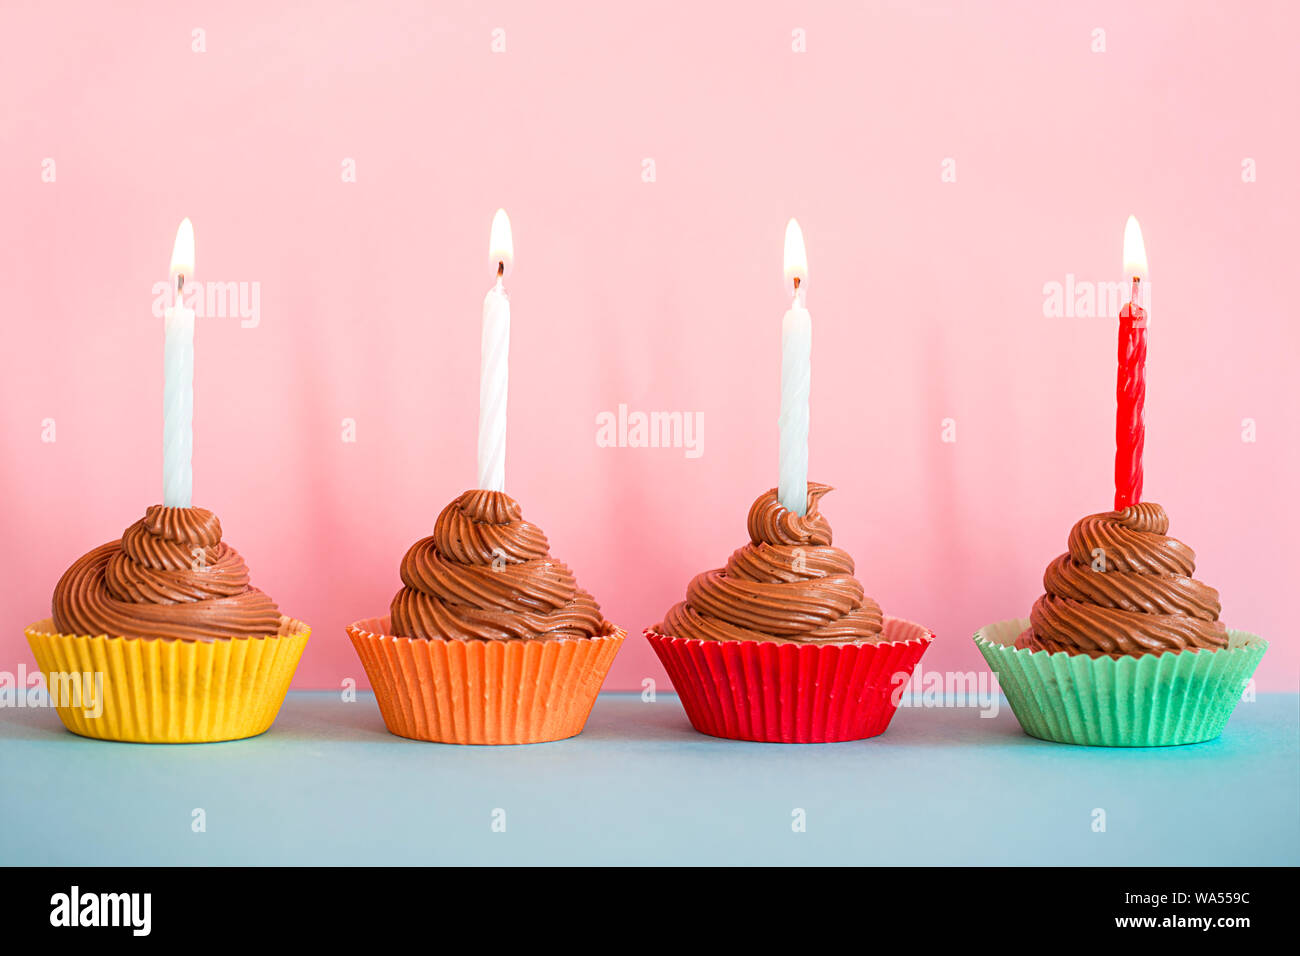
483 692
152 690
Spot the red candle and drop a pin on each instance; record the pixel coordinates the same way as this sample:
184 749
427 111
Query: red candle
1131 379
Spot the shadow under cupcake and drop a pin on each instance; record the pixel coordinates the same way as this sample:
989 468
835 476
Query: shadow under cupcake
1125 648
782 645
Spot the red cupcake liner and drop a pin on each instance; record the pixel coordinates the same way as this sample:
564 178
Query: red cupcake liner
792 693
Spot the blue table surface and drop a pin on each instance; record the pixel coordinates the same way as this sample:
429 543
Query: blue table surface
328 785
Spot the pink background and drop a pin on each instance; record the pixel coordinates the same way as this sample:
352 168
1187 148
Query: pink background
927 296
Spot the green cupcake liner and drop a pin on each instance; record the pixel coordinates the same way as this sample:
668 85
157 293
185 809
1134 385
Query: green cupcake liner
1155 700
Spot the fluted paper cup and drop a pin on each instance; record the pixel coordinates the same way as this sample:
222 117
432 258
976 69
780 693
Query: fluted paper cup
792 693
1154 700
483 692
157 691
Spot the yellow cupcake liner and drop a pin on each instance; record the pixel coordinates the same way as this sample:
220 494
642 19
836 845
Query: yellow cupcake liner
168 691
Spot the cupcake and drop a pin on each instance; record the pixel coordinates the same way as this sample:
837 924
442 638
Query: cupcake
490 640
1125 648
783 645
183 649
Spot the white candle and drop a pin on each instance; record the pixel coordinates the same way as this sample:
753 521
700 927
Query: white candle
494 362
178 379
796 379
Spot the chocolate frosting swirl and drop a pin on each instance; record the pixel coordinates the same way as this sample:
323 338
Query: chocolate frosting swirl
1124 589
170 576
787 585
486 574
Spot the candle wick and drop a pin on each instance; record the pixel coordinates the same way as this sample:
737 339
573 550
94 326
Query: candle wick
501 269
796 283
1137 290
180 286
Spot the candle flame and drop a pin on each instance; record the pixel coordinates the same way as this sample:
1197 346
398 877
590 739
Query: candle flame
1135 250
183 251
796 256
501 246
